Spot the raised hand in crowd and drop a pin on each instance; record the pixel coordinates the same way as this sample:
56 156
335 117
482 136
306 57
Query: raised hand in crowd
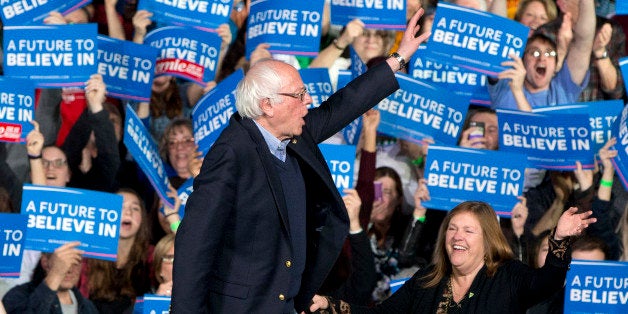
260 52
95 90
327 56
61 262
353 203
195 162
141 21
608 170
516 73
572 224
519 215
34 146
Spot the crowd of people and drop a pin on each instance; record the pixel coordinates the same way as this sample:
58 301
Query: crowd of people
288 241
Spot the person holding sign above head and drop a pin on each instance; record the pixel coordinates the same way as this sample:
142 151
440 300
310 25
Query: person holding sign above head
367 43
169 99
474 270
531 81
54 286
113 286
265 222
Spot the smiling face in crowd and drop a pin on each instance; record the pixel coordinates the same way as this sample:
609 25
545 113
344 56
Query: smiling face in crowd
465 243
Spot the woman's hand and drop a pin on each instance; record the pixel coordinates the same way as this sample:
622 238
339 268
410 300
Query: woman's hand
318 303
572 224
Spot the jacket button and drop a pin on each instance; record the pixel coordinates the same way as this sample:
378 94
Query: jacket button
288 264
282 297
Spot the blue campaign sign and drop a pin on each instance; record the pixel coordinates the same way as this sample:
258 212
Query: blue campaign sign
395 284
351 133
620 131
551 141
475 40
623 66
596 287
463 82
212 112
60 215
144 150
12 237
358 67
23 12
184 192
16 109
344 77
185 52
456 174
418 111
318 85
154 304
201 13
340 160
51 56
602 115
289 27
127 68
380 14
621 8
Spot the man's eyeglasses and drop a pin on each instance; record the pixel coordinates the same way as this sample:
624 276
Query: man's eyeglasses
536 53
186 143
57 163
300 95
168 259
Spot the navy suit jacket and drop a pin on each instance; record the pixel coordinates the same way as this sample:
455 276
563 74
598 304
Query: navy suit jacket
233 248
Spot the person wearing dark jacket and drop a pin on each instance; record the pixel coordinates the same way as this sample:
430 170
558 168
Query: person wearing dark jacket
53 288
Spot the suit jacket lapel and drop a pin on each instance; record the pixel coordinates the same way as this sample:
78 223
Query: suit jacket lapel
269 170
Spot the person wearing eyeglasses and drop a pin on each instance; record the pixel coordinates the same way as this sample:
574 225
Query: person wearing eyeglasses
265 222
163 259
531 81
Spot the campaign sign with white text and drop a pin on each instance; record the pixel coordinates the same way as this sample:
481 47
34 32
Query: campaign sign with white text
291 27
318 85
470 84
475 40
419 111
127 68
27 12
154 303
16 109
184 192
51 55
551 141
202 13
620 162
212 112
602 115
596 287
340 160
621 8
379 14
351 133
12 238
185 52
457 174
144 150
60 215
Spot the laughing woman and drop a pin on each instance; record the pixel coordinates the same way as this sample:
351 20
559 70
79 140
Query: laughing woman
474 270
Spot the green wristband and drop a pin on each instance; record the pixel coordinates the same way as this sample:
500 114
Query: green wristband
606 183
418 161
175 225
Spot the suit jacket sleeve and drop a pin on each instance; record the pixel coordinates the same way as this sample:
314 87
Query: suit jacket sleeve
198 237
348 103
